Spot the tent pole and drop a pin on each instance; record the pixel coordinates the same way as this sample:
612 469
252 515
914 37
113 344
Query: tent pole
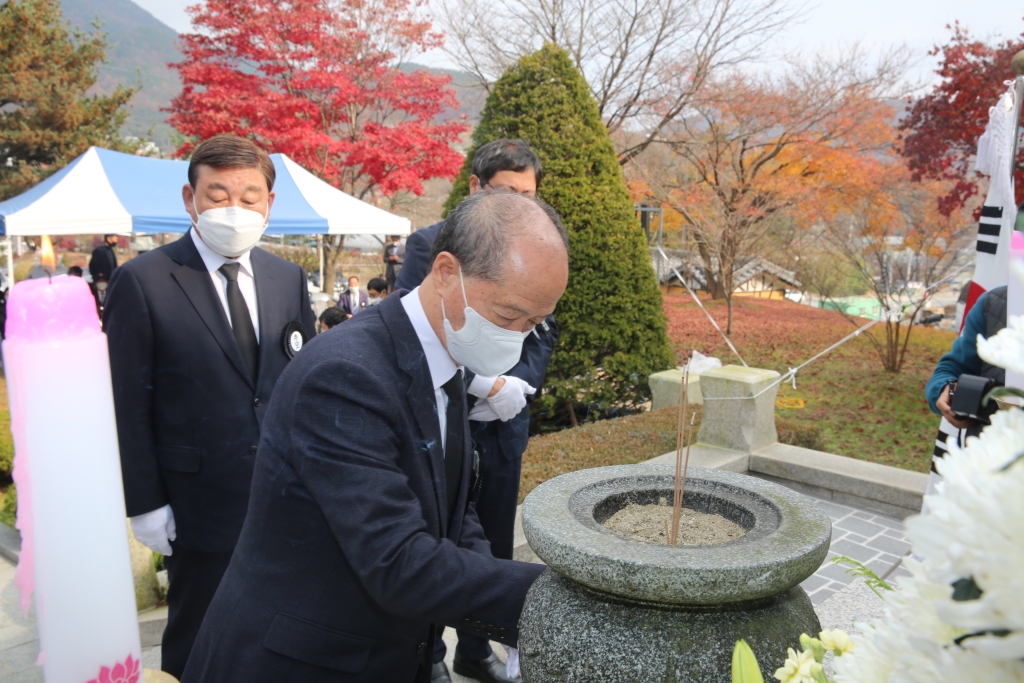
10 262
320 260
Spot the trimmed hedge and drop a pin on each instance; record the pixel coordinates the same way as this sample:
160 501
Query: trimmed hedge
613 330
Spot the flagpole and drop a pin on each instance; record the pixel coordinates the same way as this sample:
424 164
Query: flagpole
1018 70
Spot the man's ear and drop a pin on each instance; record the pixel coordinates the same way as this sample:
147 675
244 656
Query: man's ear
188 196
474 184
444 270
270 201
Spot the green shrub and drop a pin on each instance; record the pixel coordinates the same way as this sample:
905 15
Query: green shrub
613 330
9 509
6 446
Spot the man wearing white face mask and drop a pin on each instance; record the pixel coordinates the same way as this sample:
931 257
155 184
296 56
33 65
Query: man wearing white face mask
361 542
199 331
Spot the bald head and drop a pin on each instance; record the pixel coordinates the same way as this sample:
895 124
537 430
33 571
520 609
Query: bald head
484 231
503 255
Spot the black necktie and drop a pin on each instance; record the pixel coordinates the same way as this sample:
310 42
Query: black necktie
241 321
455 438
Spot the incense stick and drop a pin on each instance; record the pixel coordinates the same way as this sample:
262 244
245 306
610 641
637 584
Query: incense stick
677 497
686 462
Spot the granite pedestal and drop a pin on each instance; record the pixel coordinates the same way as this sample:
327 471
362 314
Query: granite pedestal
618 610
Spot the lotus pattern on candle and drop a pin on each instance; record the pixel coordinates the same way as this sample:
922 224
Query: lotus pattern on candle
128 672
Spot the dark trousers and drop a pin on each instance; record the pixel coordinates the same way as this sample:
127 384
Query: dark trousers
499 496
193 577
391 276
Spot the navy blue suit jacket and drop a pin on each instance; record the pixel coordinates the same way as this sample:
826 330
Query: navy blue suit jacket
347 555
417 257
188 412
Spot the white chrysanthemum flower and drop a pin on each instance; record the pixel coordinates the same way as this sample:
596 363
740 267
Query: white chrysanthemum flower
1004 349
975 529
906 646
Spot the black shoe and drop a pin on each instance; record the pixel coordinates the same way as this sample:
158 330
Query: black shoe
489 670
439 673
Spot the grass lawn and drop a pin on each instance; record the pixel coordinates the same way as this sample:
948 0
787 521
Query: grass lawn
851 407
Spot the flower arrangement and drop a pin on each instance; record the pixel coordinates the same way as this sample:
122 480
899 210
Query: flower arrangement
960 615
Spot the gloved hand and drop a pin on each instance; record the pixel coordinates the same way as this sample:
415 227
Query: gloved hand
505 404
155 529
512 663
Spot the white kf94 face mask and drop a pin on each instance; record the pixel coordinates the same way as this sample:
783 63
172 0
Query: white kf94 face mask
483 347
230 230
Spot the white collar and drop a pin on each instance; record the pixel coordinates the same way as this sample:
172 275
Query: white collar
442 367
213 261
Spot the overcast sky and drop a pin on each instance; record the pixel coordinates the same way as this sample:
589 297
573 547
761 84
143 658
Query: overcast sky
828 23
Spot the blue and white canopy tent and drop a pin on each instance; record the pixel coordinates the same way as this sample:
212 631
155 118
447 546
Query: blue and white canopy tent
105 192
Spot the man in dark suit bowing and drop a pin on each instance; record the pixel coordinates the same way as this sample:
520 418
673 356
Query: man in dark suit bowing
361 540
499 417
198 332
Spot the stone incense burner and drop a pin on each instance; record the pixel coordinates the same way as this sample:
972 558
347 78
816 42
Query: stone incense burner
616 610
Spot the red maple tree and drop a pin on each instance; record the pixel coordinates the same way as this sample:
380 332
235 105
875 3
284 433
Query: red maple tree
320 81
941 129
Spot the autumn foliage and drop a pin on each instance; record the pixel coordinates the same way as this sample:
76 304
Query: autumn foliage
942 128
318 80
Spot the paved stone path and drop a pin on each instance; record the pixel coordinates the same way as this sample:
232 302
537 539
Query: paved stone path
875 540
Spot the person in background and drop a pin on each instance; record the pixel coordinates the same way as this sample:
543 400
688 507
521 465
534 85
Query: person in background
499 415
102 265
394 255
377 289
104 259
199 331
362 537
986 318
354 300
331 317
75 271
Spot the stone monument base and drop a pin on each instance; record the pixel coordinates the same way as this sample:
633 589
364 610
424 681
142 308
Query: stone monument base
572 634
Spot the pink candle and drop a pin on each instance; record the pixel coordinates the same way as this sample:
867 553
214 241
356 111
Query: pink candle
70 499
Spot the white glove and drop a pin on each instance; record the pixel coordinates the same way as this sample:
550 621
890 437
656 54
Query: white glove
512 663
155 529
505 404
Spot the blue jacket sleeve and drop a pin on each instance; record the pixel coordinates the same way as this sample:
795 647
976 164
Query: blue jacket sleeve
962 358
417 261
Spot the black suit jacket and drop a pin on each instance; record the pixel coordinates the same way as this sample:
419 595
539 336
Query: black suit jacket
188 413
417 261
103 263
347 555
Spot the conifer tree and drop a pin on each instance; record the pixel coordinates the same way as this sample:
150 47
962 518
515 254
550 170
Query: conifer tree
613 330
46 119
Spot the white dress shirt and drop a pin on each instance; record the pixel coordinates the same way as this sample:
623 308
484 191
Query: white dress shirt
442 367
213 261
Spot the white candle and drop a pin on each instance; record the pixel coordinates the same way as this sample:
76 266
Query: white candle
70 499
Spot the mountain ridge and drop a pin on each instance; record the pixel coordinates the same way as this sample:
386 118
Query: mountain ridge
140 47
